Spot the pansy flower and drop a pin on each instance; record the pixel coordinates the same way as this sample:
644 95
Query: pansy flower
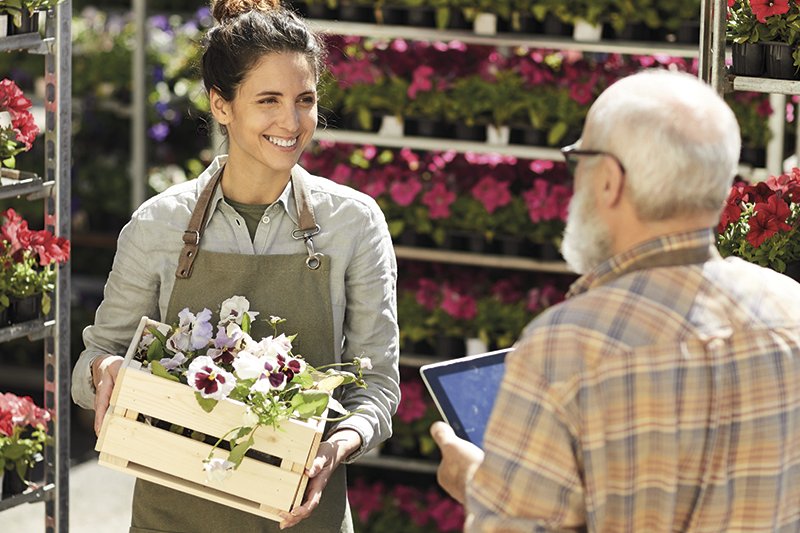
224 350
193 333
210 380
233 310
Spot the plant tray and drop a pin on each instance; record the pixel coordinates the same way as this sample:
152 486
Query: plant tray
273 482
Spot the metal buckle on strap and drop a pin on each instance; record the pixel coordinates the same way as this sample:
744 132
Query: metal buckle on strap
305 233
191 237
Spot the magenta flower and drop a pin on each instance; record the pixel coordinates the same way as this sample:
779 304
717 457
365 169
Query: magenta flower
491 193
539 166
404 192
461 306
428 294
422 80
438 200
412 405
536 200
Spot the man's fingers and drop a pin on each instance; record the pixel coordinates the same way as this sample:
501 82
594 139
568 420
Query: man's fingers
442 433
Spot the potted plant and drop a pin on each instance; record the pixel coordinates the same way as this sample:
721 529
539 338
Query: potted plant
22 435
22 13
17 127
759 222
27 266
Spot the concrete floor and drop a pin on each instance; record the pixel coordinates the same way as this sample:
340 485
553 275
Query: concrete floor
99 502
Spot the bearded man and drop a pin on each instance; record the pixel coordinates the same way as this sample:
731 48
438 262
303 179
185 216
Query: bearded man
664 393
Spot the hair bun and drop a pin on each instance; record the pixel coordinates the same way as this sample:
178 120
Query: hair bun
224 10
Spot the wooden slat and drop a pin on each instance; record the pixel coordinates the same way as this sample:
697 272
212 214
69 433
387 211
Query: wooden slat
182 458
175 403
203 492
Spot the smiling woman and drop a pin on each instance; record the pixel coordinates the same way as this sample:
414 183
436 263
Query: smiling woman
301 247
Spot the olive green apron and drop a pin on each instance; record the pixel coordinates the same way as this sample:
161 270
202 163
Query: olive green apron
294 287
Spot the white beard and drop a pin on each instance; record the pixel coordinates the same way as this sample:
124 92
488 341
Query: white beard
587 241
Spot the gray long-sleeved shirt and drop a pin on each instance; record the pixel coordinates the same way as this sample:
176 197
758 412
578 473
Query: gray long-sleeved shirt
363 281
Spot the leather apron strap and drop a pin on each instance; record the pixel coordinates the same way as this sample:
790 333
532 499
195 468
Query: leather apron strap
197 224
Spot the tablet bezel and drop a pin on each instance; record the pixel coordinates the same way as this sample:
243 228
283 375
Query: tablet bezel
432 373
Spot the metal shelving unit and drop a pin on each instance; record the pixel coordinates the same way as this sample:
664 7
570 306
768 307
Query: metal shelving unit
54 189
713 70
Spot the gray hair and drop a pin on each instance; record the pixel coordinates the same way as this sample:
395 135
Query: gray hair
678 140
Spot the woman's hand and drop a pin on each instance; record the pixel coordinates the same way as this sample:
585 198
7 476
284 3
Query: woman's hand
329 455
104 374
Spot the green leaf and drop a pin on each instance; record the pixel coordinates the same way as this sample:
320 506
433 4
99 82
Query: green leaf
155 351
238 451
158 370
208 404
310 403
246 323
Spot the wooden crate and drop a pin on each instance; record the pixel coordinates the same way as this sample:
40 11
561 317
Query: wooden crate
176 461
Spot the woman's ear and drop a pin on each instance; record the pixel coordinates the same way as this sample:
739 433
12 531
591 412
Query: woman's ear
220 108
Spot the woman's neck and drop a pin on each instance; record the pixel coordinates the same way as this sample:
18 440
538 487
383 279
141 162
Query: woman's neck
252 187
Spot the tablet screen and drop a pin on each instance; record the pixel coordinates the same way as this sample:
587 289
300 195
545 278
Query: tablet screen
465 390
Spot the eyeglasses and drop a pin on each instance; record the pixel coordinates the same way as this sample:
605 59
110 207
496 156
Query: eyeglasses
571 154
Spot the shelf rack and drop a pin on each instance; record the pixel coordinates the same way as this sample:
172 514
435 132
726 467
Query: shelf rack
488 261
54 189
411 33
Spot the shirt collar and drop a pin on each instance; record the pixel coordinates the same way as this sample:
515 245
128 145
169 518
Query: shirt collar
286 198
675 249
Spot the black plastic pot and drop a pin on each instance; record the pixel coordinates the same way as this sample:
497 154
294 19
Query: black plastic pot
355 13
779 62
424 17
28 24
25 309
748 59
424 127
475 132
527 135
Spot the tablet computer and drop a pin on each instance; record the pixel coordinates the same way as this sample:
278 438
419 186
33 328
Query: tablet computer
465 389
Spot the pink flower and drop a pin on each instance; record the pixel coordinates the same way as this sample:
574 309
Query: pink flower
506 290
412 405
536 200
491 193
404 192
438 200
365 499
428 294
461 306
422 80
539 166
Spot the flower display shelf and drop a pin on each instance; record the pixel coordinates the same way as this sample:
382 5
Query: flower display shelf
489 261
381 31
33 330
405 464
762 85
32 495
259 486
14 183
429 143
31 42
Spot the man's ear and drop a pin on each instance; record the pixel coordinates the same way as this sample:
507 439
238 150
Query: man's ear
612 182
220 108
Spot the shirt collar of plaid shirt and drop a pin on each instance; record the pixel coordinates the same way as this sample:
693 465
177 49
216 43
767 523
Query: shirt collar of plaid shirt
668 250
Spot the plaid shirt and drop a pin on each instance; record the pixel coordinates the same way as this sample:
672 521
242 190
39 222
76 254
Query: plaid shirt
664 395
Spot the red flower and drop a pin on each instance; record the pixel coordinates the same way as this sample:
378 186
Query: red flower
769 218
6 423
15 232
491 193
438 200
427 294
768 8
730 214
49 248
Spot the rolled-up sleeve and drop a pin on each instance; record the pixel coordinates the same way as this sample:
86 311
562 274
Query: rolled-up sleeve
370 330
131 292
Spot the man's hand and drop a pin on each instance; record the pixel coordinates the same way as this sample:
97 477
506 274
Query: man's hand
460 459
329 455
104 374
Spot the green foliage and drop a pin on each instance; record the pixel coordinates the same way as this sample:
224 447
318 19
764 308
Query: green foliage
775 252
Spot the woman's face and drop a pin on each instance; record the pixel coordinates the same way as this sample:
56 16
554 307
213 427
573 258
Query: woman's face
273 115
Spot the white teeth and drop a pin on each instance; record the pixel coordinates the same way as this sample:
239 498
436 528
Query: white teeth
285 143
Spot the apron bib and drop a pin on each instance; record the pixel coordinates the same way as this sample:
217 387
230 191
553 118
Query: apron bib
293 287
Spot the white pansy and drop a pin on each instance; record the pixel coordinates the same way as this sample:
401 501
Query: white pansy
247 365
234 308
218 469
364 362
249 419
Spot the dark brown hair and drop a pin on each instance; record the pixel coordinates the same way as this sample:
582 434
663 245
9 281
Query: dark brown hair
247 30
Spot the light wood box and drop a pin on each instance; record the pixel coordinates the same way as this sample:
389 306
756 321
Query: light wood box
176 461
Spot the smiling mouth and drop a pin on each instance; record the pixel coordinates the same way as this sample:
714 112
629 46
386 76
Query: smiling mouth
283 143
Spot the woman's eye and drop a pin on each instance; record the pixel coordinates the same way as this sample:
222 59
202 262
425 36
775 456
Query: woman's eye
268 101
308 100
